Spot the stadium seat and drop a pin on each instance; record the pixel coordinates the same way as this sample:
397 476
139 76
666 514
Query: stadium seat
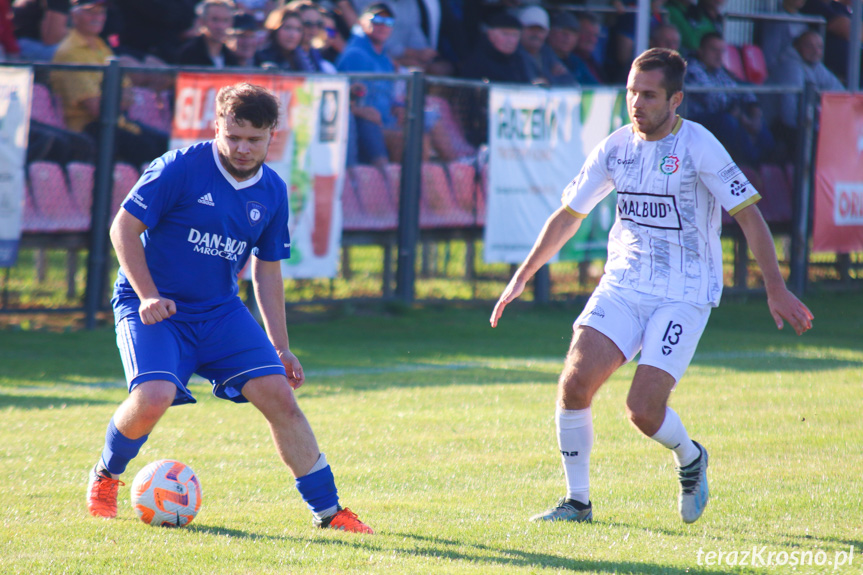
53 201
125 177
733 61
150 108
31 220
754 65
438 207
468 194
777 194
44 107
81 181
373 196
353 218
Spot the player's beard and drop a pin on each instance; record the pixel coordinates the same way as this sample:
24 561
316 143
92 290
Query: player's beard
239 175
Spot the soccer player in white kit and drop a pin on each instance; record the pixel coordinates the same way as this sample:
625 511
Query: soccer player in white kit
662 277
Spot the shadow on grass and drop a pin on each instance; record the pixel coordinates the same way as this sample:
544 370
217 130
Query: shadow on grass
473 553
39 402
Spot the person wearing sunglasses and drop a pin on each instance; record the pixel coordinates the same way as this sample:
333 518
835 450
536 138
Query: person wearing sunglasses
313 36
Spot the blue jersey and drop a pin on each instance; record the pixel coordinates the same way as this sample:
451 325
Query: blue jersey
202 225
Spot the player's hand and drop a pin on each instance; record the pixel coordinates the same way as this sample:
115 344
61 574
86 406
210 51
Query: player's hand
154 309
512 291
784 305
296 377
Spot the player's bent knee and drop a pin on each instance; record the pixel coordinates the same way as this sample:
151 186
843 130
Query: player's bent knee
643 418
153 398
574 393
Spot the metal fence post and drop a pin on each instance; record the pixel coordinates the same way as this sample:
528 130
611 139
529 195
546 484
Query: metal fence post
803 187
97 260
409 198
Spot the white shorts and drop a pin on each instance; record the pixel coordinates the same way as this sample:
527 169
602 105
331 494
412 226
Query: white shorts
665 331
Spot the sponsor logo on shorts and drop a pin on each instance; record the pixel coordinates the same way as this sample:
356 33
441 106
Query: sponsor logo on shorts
666 350
729 172
650 210
597 311
216 245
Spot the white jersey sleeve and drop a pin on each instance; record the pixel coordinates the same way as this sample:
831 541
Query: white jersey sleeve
721 176
591 185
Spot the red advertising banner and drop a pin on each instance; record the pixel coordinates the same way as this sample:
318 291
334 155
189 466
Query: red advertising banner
839 175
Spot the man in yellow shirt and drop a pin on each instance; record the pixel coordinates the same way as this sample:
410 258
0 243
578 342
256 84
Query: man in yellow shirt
81 91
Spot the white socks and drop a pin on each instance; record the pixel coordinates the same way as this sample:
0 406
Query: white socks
575 439
673 435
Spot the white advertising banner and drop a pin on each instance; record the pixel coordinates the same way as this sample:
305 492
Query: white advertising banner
16 86
308 152
538 141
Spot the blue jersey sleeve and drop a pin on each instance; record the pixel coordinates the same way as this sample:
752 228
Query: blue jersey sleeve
274 244
156 191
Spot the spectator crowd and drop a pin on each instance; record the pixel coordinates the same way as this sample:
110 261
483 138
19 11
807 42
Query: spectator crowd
514 41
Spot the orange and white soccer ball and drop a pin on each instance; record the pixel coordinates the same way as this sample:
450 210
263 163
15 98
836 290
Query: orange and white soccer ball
166 493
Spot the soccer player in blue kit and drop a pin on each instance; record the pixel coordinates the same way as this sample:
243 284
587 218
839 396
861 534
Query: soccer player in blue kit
184 232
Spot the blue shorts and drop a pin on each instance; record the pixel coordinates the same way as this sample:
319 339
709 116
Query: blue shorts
228 351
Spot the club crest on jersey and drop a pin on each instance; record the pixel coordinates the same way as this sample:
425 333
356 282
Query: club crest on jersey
669 165
255 213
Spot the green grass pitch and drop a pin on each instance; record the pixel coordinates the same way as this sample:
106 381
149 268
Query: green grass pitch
440 433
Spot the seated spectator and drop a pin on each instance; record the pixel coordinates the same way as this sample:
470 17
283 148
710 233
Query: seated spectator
312 18
8 44
778 35
245 38
155 27
413 42
40 25
47 143
621 47
495 57
665 35
836 41
589 33
546 68
372 101
562 38
208 48
81 92
283 42
693 20
338 33
734 117
800 64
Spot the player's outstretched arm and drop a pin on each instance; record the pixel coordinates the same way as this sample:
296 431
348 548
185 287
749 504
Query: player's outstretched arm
558 228
270 294
783 304
126 233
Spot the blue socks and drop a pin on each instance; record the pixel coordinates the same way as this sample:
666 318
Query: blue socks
119 450
318 489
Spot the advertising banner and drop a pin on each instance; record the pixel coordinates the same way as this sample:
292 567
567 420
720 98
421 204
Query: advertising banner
838 218
538 141
16 86
308 152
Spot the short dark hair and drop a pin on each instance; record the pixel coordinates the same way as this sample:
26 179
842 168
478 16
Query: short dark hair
707 37
671 63
248 103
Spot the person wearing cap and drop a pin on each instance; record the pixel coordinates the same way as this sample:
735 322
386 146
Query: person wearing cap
81 92
546 68
209 48
412 43
245 38
562 39
372 101
495 58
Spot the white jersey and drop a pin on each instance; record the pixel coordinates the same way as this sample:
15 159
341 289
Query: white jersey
665 238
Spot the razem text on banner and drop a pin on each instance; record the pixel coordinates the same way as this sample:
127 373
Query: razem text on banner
838 220
537 143
308 151
16 87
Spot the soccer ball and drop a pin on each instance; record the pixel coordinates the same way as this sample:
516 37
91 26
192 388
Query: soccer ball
166 493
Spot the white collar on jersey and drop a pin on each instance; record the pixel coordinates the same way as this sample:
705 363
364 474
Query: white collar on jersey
231 180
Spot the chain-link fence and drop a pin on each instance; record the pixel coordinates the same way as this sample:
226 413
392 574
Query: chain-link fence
65 262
